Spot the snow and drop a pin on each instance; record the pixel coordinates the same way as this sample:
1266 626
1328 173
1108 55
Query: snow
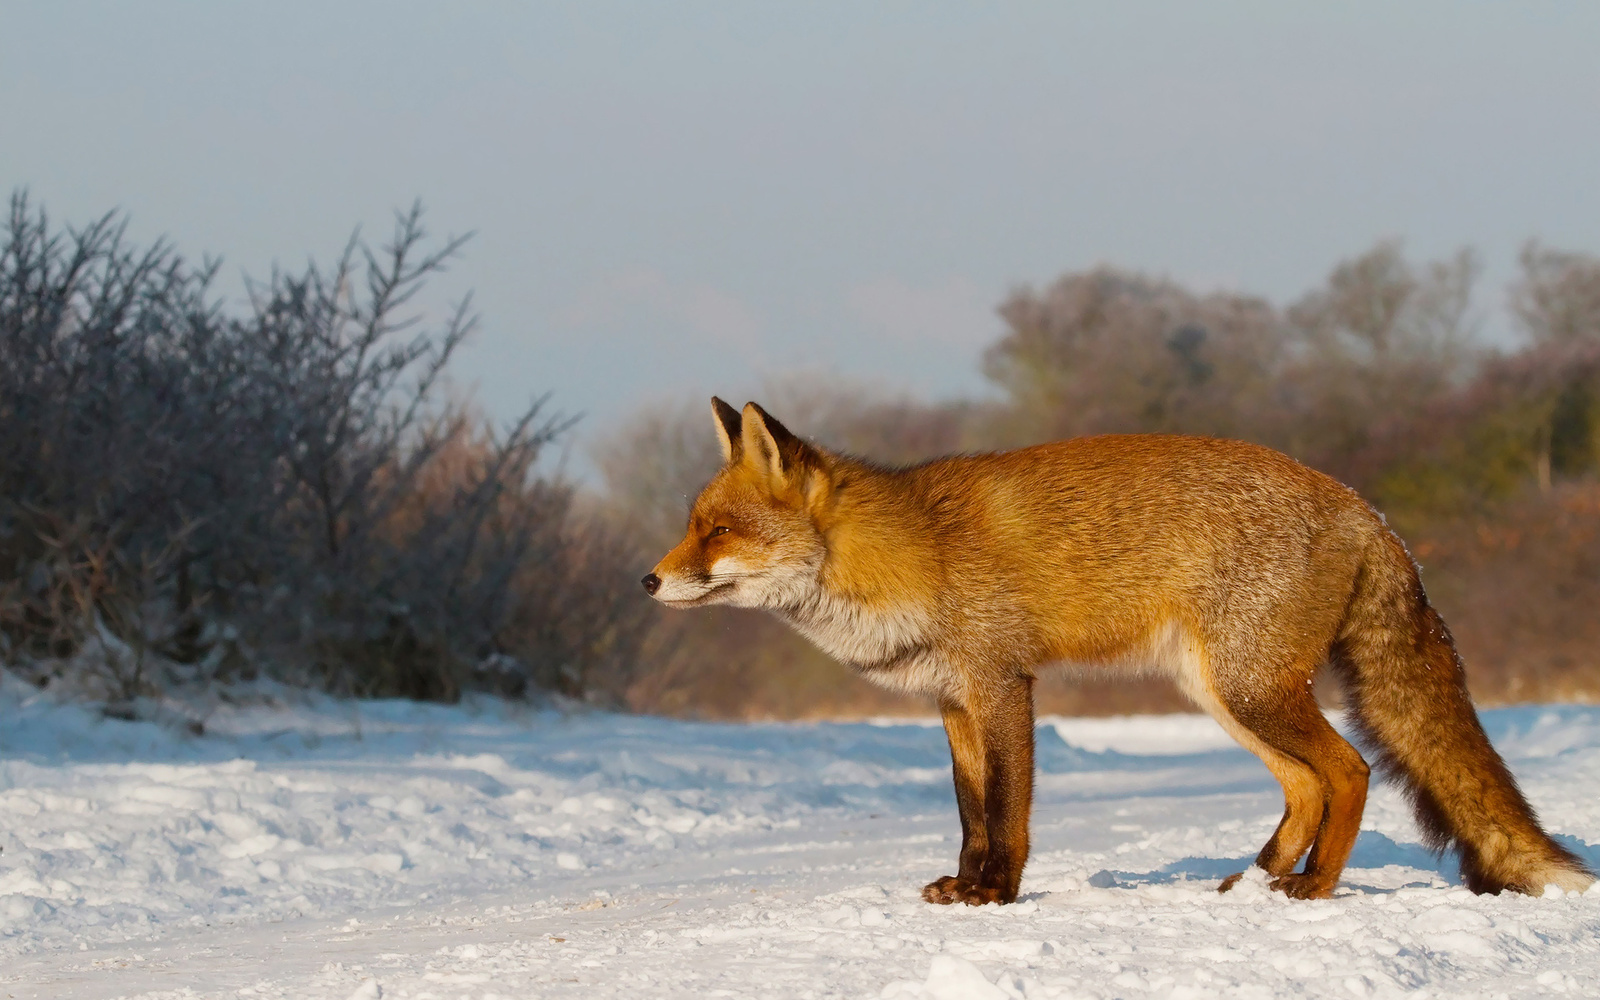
309 847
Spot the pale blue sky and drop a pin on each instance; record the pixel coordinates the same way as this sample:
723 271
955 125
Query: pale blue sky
674 199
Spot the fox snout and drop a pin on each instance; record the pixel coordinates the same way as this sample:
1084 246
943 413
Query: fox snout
682 578
679 582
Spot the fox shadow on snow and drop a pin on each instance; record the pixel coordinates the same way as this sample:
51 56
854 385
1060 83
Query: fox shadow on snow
1372 850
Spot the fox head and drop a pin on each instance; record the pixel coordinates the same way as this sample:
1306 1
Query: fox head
753 539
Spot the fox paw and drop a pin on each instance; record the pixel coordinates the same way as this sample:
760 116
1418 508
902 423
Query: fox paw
1230 881
953 889
1303 885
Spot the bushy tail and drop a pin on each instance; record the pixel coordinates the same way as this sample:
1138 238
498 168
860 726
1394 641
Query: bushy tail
1407 693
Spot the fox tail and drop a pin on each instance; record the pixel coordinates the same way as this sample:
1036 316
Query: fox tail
1406 690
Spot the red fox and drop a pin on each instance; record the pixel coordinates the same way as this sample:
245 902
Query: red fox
1229 566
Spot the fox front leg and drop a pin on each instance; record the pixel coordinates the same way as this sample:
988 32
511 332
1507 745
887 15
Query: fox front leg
968 763
991 750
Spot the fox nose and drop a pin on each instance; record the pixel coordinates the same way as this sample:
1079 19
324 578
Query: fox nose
652 583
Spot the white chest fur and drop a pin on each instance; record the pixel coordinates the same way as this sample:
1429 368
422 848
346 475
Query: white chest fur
857 633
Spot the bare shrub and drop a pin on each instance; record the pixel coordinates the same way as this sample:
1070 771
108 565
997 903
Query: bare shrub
579 619
282 487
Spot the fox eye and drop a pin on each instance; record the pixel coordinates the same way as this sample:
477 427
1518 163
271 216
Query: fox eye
718 530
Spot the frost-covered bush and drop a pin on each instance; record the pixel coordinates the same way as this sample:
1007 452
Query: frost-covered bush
190 491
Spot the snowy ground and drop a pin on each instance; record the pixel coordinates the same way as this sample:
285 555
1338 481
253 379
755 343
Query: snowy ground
395 850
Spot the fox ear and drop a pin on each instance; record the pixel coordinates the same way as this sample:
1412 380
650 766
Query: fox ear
770 447
728 430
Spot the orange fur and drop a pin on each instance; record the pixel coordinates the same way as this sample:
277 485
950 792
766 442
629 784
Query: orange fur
1229 566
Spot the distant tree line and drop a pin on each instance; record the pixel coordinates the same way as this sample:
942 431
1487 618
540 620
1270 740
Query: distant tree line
191 493
1486 460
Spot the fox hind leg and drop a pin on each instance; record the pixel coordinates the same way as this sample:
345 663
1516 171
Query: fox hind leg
1324 782
1304 804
